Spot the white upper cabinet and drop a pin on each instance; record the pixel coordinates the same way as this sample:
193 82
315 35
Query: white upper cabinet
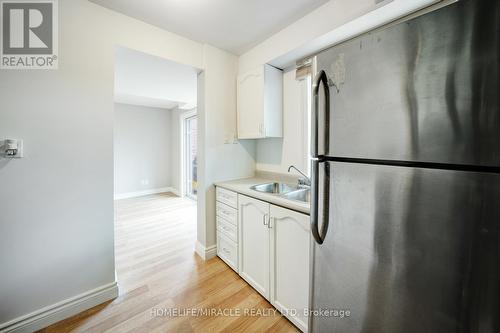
260 103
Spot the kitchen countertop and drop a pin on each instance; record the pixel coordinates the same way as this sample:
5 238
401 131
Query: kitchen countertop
242 186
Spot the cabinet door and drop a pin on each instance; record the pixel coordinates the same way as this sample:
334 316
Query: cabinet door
254 243
250 104
290 241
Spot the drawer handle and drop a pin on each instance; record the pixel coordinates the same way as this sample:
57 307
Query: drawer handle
226 228
226 250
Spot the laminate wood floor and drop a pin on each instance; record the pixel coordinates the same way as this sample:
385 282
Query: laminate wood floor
159 272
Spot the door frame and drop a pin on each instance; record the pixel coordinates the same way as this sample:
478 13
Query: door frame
182 122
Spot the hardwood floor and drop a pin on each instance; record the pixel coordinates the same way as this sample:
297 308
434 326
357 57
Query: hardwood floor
158 272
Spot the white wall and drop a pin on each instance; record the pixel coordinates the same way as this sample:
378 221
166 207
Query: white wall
317 23
277 154
142 77
56 226
216 122
333 22
142 148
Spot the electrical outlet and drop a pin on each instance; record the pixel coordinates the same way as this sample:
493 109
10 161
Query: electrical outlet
145 182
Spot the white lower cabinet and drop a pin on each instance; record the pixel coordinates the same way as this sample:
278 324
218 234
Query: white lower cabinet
227 250
254 243
290 239
274 255
227 226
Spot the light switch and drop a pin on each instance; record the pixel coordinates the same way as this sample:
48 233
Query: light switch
12 148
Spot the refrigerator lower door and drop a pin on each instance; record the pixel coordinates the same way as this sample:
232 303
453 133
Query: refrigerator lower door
408 250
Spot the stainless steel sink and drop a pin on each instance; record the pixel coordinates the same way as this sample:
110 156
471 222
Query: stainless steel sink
303 195
275 188
286 191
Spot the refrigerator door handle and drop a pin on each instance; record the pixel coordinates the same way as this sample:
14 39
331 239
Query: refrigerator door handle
320 80
319 234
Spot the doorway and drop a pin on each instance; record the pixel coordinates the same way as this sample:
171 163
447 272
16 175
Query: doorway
155 224
190 156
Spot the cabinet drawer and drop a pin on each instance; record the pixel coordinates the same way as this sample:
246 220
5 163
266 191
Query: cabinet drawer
227 250
228 229
230 198
228 213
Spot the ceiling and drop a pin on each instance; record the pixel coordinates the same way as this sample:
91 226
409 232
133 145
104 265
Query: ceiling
143 79
232 25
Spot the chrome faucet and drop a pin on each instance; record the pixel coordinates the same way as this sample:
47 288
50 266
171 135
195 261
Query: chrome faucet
306 181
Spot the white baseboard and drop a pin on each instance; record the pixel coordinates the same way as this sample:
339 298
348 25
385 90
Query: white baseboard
205 252
53 313
175 191
127 195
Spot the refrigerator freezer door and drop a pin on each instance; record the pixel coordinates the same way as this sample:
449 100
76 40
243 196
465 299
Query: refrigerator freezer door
423 90
408 250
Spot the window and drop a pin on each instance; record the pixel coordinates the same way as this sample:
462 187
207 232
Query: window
191 158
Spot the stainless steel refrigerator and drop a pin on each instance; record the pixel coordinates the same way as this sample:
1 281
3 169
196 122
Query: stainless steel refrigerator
405 210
